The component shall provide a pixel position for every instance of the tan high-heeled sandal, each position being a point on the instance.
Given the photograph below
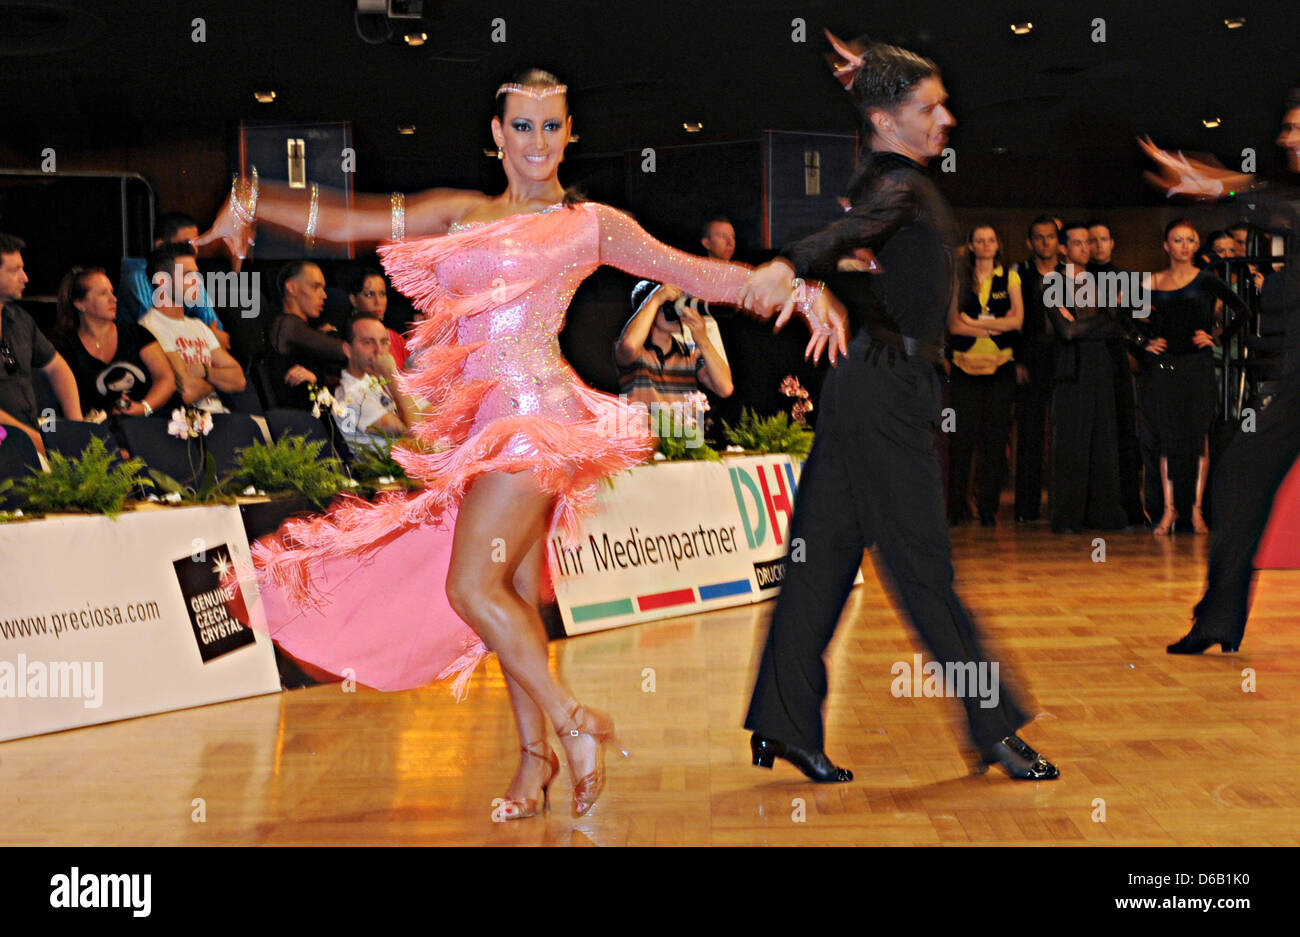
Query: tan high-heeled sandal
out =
(585, 721)
(1198, 521)
(1166, 525)
(510, 809)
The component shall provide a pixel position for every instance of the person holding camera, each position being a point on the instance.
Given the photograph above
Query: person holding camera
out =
(654, 366)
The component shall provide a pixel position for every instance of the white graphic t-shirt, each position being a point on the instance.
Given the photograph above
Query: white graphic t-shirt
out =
(192, 341)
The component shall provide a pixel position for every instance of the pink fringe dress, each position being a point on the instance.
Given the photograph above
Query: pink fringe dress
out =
(361, 590)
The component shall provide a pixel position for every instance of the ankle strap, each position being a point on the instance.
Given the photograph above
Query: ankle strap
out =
(572, 728)
(544, 754)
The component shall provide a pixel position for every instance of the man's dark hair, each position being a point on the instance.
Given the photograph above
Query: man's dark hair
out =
(1216, 236)
(11, 245)
(1239, 226)
(357, 282)
(707, 227)
(887, 77)
(171, 222)
(288, 272)
(1292, 100)
(163, 260)
(1072, 225)
(1100, 223)
(354, 319)
(1041, 219)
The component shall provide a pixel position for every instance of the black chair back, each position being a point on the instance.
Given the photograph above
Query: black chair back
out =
(230, 433)
(18, 459)
(70, 438)
(147, 438)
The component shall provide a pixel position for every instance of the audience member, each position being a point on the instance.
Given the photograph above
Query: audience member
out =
(137, 296)
(368, 294)
(303, 354)
(23, 347)
(983, 331)
(201, 366)
(368, 389)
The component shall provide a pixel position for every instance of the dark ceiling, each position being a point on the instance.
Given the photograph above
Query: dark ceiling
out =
(638, 70)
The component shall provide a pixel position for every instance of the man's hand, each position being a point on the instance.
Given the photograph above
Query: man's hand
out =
(693, 321)
(299, 375)
(667, 293)
(386, 366)
(769, 288)
(223, 338)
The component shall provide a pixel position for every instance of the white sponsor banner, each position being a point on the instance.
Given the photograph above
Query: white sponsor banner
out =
(678, 538)
(107, 619)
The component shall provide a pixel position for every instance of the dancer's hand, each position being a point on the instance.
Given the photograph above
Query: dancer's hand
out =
(1202, 339)
(770, 288)
(229, 231)
(1194, 178)
(828, 323)
(1157, 346)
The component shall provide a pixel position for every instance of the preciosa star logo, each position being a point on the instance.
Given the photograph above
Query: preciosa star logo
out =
(222, 566)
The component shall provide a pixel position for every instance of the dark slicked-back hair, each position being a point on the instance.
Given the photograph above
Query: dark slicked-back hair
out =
(1292, 100)
(163, 260)
(288, 272)
(11, 245)
(1041, 219)
(170, 223)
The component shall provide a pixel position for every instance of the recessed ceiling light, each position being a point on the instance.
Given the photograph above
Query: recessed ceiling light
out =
(1022, 29)
(1235, 22)
(999, 151)
(264, 97)
(416, 39)
(693, 126)
(406, 129)
(1211, 122)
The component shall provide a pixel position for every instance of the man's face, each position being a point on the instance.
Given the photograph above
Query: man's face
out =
(307, 290)
(1239, 240)
(13, 280)
(721, 242)
(1044, 241)
(369, 341)
(373, 298)
(1289, 139)
(180, 283)
(1224, 247)
(1100, 244)
(921, 123)
(1076, 246)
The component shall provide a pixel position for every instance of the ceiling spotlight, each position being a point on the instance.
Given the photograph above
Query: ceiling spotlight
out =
(406, 129)
(1235, 22)
(693, 126)
(1022, 29)
(416, 39)
(1211, 122)
(1000, 151)
(264, 97)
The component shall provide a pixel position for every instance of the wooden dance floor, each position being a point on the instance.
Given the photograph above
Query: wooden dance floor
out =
(1153, 749)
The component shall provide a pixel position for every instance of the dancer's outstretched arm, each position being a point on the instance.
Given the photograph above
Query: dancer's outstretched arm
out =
(626, 245)
(363, 218)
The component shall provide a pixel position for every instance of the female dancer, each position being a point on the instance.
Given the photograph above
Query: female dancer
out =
(1185, 305)
(512, 444)
(983, 379)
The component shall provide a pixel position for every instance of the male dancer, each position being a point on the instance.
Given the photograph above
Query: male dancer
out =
(1255, 463)
(873, 476)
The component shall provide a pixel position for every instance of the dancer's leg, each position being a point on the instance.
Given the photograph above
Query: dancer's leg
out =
(529, 718)
(1166, 524)
(1202, 473)
(500, 520)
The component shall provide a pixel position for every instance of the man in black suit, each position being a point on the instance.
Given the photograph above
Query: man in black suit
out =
(873, 476)
(1258, 459)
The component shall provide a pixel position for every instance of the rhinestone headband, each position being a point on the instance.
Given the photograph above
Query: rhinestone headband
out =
(532, 92)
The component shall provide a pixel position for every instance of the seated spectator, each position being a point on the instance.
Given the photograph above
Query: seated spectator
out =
(303, 355)
(654, 366)
(22, 348)
(121, 370)
(368, 294)
(137, 296)
(201, 366)
(368, 389)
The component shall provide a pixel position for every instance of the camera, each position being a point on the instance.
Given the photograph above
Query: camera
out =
(672, 310)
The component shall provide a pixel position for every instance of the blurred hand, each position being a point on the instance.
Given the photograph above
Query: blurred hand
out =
(35, 437)
(227, 230)
(1157, 346)
(692, 320)
(1022, 375)
(386, 364)
(1199, 178)
(1202, 339)
(668, 293)
(299, 375)
(769, 288)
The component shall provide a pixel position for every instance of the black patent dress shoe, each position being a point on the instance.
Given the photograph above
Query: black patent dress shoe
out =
(1018, 760)
(1195, 643)
(815, 765)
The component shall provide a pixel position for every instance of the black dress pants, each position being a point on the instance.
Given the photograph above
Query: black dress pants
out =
(1033, 399)
(872, 479)
(1246, 483)
(982, 404)
(1130, 457)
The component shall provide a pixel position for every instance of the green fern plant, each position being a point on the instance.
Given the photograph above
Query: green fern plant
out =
(675, 449)
(96, 482)
(290, 464)
(210, 490)
(776, 433)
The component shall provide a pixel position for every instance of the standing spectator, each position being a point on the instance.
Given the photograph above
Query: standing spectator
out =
(1185, 304)
(202, 367)
(984, 328)
(1034, 367)
(121, 370)
(368, 294)
(22, 348)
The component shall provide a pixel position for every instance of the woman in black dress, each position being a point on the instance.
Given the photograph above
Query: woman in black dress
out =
(982, 383)
(1185, 304)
